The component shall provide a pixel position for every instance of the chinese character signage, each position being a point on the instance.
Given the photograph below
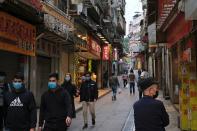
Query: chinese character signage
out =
(94, 46)
(106, 52)
(16, 35)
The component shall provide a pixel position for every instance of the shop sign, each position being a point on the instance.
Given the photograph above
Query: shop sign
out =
(16, 35)
(56, 26)
(115, 54)
(106, 52)
(187, 55)
(178, 29)
(94, 47)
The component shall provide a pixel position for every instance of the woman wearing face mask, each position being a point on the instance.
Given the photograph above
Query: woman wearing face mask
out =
(71, 88)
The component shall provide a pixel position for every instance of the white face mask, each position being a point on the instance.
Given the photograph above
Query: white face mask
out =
(67, 78)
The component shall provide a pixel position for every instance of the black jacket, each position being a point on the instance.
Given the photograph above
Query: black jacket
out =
(54, 108)
(150, 115)
(72, 90)
(3, 90)
(20, 110)
(88, 91)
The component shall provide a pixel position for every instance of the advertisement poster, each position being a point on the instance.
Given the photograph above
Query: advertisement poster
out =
(193, 104)
(185, 113)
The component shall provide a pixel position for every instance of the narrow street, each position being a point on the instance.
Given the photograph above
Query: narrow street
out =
(110, 116)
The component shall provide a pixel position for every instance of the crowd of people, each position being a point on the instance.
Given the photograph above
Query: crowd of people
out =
(18, 110)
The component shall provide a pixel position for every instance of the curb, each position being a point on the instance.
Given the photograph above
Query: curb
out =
(80, 108)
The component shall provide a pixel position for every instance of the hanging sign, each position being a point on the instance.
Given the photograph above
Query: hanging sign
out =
(16, 35)
(106, 52)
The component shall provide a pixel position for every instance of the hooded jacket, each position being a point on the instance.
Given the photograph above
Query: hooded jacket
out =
(20, 110)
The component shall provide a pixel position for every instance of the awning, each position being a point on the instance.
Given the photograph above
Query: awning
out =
(57, 13)
(88, 55)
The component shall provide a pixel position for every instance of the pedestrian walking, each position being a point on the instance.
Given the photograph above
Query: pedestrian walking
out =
(113, 82)
(132, 82)
(149, 113)
(88, 97)
(72, 90)
(144, 74)
(125, 78)
(55, 108)
(20, 107)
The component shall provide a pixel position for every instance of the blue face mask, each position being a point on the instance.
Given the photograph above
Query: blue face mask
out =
(17, 85)
(52, 85)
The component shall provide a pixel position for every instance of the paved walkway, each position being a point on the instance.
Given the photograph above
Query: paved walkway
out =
(118, 115)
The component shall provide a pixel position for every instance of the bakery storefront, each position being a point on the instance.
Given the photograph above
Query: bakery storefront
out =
(17, 43)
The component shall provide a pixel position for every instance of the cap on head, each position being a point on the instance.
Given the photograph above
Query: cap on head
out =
(146, 83)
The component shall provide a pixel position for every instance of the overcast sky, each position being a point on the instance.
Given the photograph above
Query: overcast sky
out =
(131, 7)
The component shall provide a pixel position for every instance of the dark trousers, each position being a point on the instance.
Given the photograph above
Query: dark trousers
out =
(140, 94)
(132, 87)
(125, 82)
(55, 129)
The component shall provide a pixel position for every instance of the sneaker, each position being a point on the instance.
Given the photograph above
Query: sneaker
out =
(93, 122)
(85, 126)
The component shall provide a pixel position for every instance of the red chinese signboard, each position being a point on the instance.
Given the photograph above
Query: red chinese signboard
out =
(94, 46)
(16, 35)
(178, 29)
(106, 52)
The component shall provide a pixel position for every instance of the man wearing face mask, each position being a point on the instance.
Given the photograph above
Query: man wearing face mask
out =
(88, 96)
(20, 107)
(149, 113)
(71, 88)
(55, 108)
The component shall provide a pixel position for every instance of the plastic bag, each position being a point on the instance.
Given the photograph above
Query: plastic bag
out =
(119, 90)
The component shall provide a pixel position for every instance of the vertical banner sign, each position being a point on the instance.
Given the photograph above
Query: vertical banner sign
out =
(193, 104)
(16, 35)
(89, 65)
(106, 52)
(185, 113)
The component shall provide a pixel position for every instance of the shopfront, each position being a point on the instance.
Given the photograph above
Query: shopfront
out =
(183, 74)
(87, 58)
(17, 43)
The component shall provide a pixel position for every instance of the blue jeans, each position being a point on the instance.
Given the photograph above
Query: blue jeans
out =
(132, 87)
(114, 91)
